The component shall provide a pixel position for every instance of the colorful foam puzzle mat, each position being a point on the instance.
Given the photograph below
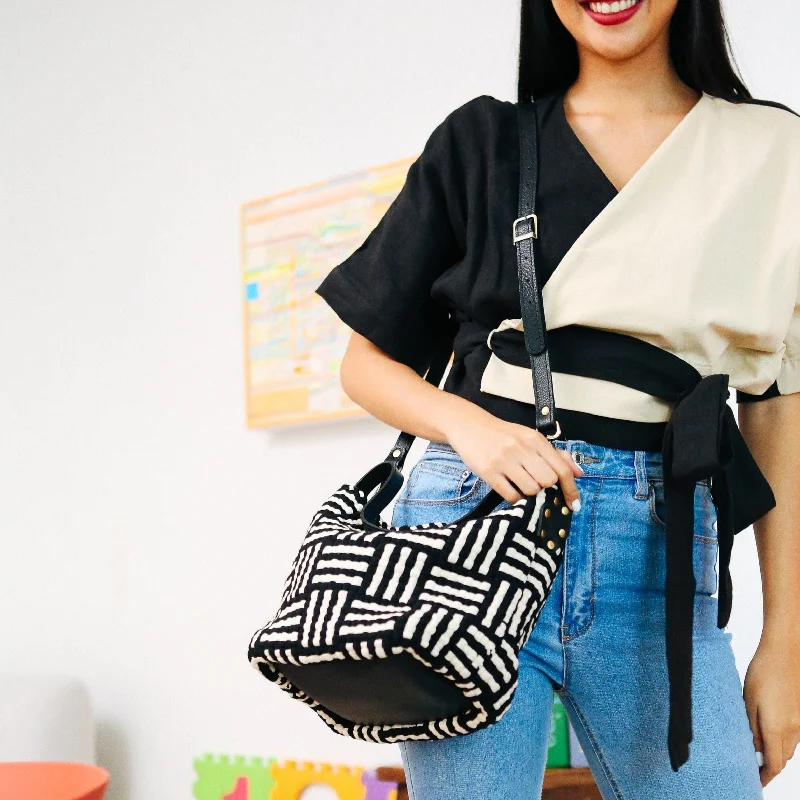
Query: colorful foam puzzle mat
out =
(238, 778)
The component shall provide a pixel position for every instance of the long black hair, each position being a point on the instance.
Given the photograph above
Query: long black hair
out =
(698, 45)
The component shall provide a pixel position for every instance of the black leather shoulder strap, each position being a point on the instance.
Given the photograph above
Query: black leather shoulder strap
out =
(525, 232)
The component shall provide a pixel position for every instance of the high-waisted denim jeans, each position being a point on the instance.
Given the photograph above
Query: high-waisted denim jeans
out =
(599, 642)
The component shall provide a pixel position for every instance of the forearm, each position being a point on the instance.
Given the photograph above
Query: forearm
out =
(395, 393)
(515, 460)
(771, 429)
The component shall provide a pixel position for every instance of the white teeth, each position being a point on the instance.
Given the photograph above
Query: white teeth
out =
(612, 8)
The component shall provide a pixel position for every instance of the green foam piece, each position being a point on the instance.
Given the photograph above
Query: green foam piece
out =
(217, 776)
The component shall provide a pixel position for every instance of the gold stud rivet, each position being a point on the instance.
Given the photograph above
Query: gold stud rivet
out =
(547, 512)
(562, 533)
(550, 544)
(545, 410)
(555, 501)
(564, 510)
(396, 453)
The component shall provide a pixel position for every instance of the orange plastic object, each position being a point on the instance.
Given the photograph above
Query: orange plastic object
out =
(52, 780)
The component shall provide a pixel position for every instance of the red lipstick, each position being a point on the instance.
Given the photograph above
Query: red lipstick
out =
(614, 18)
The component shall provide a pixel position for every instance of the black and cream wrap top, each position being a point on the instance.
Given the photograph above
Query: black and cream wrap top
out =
(660, 300)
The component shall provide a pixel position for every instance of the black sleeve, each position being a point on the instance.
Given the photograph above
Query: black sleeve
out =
(383, 289)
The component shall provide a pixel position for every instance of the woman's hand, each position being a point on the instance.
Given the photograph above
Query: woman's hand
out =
(772, 697)
(771, 430)
(515, 460)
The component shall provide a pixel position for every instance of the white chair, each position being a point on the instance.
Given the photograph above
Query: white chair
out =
(45, 719)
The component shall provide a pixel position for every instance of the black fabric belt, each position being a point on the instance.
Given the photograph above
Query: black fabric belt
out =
(700, 440)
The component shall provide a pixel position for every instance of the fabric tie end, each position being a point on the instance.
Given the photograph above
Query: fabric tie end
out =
(678, 754)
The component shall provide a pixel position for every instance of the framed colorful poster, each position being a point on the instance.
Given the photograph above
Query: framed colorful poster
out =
(294, 342)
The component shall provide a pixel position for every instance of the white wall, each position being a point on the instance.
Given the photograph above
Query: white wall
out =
(145, 530)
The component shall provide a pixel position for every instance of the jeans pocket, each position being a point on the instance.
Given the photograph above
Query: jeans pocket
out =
(705, 543)
(439, 488)
(705, 512)
(442, 478)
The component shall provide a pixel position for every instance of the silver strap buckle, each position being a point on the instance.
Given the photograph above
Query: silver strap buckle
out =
(534, 232)
(557, 433)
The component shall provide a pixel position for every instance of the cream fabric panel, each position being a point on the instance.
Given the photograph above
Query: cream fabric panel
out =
(789, 374)
(576, 392)
(699, 254)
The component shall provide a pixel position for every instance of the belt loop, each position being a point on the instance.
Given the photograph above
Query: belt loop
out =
(640, 465)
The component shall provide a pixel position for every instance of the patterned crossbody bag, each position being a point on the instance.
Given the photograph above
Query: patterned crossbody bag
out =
(413, 632)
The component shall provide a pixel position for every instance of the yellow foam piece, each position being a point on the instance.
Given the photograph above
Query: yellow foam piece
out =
(292, 778)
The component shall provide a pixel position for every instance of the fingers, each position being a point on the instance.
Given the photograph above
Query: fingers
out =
(505, 489)
(576, 468)
(555, 465)
(760, 745)
(790, 742)
(752, 716)
(776, 734)
(567, 479)
(531, 480)
(777, 751)
(542, 469)
(774, 761)
(758, 742)
(526, 462)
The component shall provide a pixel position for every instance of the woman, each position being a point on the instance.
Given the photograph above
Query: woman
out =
(669, 255)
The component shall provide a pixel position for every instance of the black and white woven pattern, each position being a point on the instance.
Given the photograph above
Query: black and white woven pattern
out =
(461, 598)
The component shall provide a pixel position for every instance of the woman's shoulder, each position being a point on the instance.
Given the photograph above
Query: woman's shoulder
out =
(759, 132)
(477, 122)
(770, 120)
(484, 108)
(475, 133)
(480, 135)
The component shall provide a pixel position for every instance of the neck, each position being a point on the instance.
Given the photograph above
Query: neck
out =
(646, 82)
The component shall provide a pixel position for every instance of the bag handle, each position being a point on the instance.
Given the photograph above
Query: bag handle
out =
(525, 229)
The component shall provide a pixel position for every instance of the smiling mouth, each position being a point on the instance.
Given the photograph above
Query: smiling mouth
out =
(611, 13)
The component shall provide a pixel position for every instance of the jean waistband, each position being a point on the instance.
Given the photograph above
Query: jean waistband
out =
(599, 460)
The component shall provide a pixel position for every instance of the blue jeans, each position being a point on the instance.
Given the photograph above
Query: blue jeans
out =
(599, 643)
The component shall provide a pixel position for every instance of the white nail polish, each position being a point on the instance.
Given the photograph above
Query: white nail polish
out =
(576, 505)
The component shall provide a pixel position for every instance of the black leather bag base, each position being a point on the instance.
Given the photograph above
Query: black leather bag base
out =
(357, 690)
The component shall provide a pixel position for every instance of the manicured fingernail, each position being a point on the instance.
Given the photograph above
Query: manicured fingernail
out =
(576, 505)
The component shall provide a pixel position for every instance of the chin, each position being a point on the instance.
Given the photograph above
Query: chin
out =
(615, 32)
